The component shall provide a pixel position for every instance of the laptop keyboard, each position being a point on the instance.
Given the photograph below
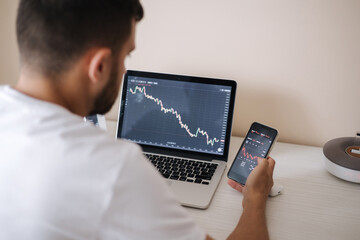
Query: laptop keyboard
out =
(183, 169)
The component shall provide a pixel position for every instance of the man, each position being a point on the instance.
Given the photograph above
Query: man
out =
(63, 179)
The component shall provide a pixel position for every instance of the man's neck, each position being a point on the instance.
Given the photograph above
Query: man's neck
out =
(54, 91)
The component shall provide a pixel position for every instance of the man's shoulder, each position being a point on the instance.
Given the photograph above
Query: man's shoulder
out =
(52, 131)
(94, 142)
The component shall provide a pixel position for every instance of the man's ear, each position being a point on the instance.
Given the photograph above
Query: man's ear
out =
(100, 65)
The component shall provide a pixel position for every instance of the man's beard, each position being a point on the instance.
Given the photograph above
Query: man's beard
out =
(106, 99)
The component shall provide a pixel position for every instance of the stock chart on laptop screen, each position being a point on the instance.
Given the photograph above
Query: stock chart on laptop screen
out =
(176, 114)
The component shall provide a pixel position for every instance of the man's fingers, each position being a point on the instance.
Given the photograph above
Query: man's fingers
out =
(235, 185)
(271, 164)
(265, 166)
(261, 161)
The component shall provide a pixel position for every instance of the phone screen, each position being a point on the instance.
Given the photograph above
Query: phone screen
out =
(257, 143)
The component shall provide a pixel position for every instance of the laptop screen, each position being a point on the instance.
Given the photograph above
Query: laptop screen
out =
(177, 112)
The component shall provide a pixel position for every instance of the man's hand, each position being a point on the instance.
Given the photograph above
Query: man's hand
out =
(252, 224)
(259, 182)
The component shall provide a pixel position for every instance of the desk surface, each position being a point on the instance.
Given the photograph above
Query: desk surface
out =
(314, 205)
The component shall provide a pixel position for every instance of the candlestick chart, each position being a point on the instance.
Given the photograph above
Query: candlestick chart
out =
(176, 115)
(255, 145)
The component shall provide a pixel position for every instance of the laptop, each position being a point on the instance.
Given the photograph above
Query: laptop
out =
(183, 124)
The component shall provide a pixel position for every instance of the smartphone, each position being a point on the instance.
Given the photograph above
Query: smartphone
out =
(257, 143)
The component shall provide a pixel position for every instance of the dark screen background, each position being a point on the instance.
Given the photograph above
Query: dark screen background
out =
(176, 114)
(256, 144)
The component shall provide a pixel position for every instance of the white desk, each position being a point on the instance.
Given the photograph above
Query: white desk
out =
(315, 204)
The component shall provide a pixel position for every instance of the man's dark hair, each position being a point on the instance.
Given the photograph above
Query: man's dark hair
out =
(52, 34)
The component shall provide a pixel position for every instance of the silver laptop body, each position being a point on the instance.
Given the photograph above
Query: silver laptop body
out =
(183, 125)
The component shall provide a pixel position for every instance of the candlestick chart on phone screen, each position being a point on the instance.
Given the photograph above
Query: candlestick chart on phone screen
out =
(255, 145)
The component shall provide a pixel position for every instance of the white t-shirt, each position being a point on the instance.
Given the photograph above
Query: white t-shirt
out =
(61, 178)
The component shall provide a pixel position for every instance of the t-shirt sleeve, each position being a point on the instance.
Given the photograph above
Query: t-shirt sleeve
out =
(144, 207)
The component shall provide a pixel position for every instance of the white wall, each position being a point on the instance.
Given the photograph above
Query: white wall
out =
(9, 67)
(297, 62)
